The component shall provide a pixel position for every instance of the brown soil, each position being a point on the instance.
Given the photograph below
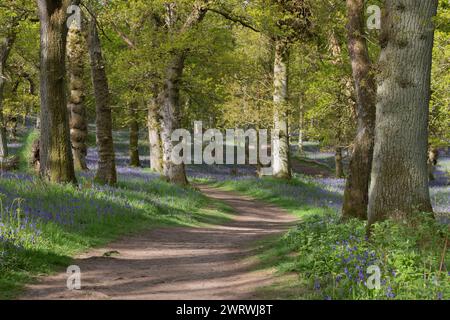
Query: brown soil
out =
(210, 263)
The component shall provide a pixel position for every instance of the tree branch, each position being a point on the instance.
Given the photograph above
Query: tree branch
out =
(123, 36)
(239, 20)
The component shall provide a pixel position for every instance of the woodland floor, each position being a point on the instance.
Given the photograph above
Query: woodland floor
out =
(215, 262)
(179, 256)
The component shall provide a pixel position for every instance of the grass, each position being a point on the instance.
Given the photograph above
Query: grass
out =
(325, 258)
(42, 225)
(25, 151)
(65, 220)
(301, 197)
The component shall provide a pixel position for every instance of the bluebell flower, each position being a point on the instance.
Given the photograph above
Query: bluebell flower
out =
(317, 285)
(390, 294)
(361, 276)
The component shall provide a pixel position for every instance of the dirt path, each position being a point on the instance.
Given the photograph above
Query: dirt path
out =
(178, 263)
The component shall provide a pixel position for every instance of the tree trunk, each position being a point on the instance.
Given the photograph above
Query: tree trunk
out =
(433, 156)
(301, 125)
(106, 172)
(134, 137)
(280, 152)
(76, 108)
(356, 196)
(5, 49)
(170, 114)
(154, 135)
(399, 181)
(339, 164)
(56, 162)
(169, 98)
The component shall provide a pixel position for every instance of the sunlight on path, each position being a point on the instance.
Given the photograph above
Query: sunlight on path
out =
(178, 263)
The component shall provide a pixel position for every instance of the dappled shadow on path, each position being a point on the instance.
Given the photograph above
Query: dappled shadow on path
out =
(178, 263)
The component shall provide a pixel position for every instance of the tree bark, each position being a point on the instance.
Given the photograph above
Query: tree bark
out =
(280, 152)
(5, 49)
(154, 135)
(356, 196)
(76, 108)
(134, 137)
(106, 172)
(56, 162)
(399, 181)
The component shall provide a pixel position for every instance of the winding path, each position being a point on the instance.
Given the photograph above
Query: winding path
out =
(210, 263)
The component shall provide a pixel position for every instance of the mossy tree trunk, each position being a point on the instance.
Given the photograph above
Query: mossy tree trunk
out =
(56, 162)
(399, 180)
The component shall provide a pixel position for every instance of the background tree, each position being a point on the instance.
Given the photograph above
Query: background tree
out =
(134, 135)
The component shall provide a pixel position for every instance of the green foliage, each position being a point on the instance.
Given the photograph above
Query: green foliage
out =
(440, 88)
(334, 257)
(26, 149)
(20, 96)
(331, 257)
